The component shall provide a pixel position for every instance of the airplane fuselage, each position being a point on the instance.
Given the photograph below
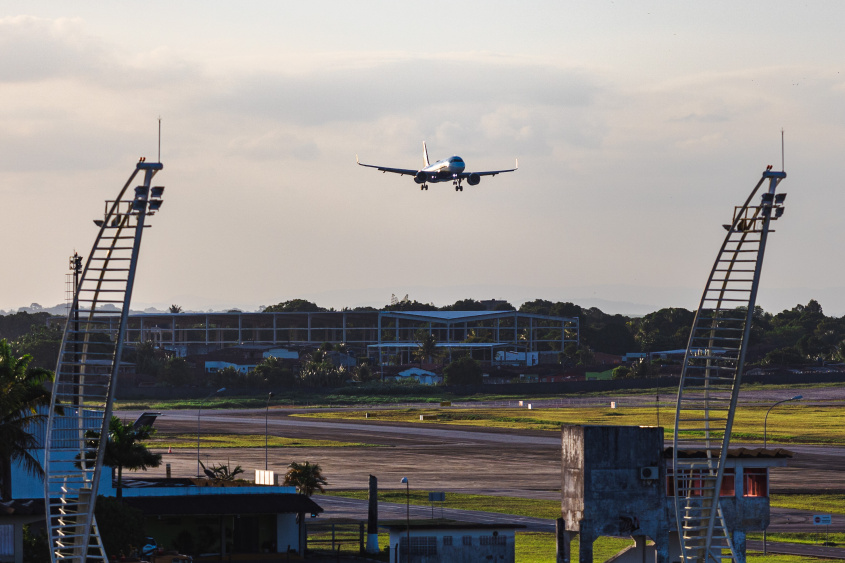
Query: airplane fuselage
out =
(448, 169)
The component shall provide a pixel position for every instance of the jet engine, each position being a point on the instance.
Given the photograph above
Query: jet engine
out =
(420, 177)
(473, 179)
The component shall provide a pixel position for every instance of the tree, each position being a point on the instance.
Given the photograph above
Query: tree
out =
(426, 345)
(272, 372)
(22, 401)
(176, 372)
(148, 359)
(363, 374)
(294, 306)
(222, 472)
(124, 449)
(463, 371)
(121, 526)
(175, 309)
(305, 477)
(621, 372)
(42, 342)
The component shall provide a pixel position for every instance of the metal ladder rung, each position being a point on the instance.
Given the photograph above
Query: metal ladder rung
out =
(103, 290)
(743, 271)
(109, 269)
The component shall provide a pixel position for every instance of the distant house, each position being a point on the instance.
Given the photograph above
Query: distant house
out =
(422, 376)
(447, 541)
(599, 375)
(281, 353)
(214, 366)
(606, 359)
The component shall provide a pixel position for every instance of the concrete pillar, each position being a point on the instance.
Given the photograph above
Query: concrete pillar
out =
(588, 536)
(738, 540)
(639, 546)
(563, 542)
(661, 547)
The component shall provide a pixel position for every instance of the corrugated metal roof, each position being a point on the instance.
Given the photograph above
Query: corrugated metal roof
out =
(271, 503)
(736, 453)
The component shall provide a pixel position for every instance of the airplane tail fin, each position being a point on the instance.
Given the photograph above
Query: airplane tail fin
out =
(425, 155)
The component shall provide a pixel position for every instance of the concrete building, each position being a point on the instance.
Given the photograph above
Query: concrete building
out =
(448, 541)
(618, 481)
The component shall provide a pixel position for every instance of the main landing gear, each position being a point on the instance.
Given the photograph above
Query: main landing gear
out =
(424, 187)
(458, 186)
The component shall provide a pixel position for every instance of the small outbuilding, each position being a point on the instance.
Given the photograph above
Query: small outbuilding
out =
(448, 541)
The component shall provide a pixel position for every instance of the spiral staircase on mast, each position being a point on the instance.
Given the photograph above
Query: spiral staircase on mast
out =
(83, 390)
(712, 372)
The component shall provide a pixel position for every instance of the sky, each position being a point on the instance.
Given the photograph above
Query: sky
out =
(638, 127)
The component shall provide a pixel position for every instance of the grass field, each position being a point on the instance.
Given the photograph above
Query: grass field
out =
(502, 505)
(821, 503)
(398, 394)
(793, 423)
(165, 440)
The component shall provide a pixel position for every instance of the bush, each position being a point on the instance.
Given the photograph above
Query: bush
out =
(121, 526)
(463, 371)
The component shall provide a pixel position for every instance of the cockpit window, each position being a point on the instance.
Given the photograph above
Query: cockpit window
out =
(457, 159)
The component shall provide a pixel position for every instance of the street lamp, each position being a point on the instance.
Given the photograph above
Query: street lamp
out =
(266, 412)
(408, 514)
(766, 446)
(766, 419)
(199, 412)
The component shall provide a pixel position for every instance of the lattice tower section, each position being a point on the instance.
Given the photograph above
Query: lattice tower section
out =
(712, 372)
(89, 360)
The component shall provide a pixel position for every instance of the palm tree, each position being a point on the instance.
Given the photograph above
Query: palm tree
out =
(22, 392)
(305, 477)
(124, 450)
(222, 472)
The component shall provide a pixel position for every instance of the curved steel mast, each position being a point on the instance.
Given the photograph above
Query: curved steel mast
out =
(712, 372)
(89, 360)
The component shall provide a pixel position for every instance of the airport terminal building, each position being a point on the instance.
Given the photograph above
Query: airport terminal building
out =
(375, 334)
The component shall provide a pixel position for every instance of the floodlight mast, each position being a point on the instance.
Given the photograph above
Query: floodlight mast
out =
(712, 373)
(85, 379)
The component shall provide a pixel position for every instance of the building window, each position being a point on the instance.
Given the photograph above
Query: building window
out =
(756, 482)
(447, 540)
(493, 540)
(728, 483)
(466, 540)
(7, 539)
(691, 482)
(420, 545)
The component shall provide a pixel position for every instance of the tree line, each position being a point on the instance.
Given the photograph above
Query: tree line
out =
(801, 335)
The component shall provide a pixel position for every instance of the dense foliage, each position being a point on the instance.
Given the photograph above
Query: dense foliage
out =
(463, 371)
(23, 398)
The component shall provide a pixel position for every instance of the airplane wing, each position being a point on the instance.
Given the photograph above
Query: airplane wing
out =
(465, 175)
(402, 171)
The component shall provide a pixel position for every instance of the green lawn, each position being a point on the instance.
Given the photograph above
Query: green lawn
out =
(165, 440)
(502, 505)
(793, 423)
(821, 503)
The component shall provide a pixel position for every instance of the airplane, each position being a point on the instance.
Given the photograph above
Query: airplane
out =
(451, 168)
